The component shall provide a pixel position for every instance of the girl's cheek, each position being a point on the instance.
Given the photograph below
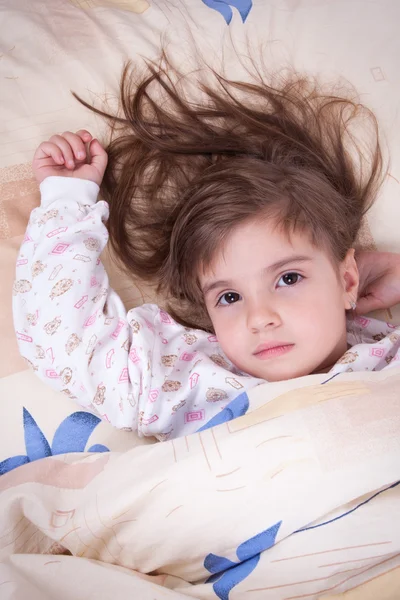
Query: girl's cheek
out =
(222, 326)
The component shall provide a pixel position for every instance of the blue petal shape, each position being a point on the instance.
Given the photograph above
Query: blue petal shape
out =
(243, 6)
(12, 463)
(236, 408)
(35, 442)
(227, 574)
(216, 564)
(260, 542)
(224, 8)
(234, 576)
(98, 448)
(73, 433)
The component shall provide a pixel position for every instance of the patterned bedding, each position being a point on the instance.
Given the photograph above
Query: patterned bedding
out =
(47, 50)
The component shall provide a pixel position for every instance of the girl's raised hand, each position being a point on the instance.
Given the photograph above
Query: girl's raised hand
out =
(70, 155)
(379, 281)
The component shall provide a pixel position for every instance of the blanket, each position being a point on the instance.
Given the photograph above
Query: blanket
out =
(297, 498)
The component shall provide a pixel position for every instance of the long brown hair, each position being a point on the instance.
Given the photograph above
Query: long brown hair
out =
(183, 171)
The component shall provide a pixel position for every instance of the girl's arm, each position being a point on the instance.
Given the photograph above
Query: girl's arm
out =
(70, 325)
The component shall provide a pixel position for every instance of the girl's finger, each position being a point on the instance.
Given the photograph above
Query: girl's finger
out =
(84, 135)
(47, 149)
(66, 150)
(98, 156)
(77, 145)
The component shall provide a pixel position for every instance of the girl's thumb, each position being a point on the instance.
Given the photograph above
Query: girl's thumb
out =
(98, 156)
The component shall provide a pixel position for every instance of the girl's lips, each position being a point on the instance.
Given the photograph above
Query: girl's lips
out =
(265, 351)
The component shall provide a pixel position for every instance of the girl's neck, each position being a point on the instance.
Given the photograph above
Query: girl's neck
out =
(332, 359)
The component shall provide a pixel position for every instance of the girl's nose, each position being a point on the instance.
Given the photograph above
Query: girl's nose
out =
(260, 316)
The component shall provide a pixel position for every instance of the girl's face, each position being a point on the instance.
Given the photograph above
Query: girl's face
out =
(278, 304)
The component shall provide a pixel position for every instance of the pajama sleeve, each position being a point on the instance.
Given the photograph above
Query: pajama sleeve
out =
(70, 325)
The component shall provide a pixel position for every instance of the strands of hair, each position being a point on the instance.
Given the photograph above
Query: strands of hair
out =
(183, 172)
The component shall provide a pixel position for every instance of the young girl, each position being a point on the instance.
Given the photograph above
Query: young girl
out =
(245, 207)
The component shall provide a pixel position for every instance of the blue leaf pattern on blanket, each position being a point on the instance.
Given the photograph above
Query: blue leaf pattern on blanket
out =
(71, 435)
(35, 443)
(227, 574)
(98, 448)
(12, 463)
(236, 408)
(224, 8)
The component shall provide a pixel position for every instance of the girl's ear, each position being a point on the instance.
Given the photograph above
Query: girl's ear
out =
(350, 279)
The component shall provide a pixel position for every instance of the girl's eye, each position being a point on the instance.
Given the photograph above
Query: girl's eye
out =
(289, 279)
(229, 298)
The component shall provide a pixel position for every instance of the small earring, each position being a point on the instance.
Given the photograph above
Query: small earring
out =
(353, 305)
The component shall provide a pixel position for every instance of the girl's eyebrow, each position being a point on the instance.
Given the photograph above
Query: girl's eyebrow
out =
(214, 285)
(285, 261)
(223, 283)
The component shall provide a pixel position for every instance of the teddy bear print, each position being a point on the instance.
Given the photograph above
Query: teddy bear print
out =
(219, 360)
(92, 244)
(40, 353)
(66, 375)
(135, 325)
(61, 287)
(189, 338)
(169, 360)
(393, 337)
(348, 357)
(100, 395)
(37, 268)
(72, 343)
(378, 337)
(32, 318)
(21, 286)
(50, 214)
(68, 393)
(214, 395)
(171, 386)
(99, 296)
(52, 326)
(176, 407)
(163, 437)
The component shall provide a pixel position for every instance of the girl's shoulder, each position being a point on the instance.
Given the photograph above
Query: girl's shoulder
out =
(368, 330)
